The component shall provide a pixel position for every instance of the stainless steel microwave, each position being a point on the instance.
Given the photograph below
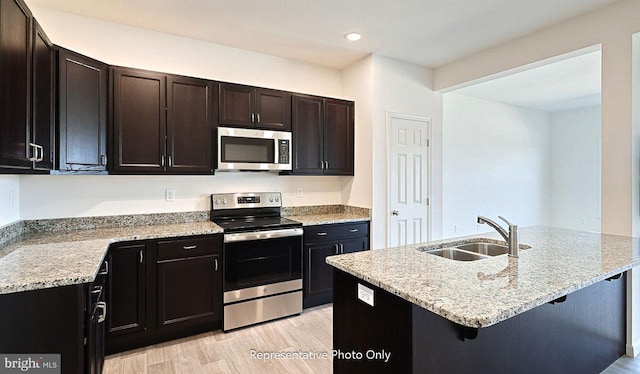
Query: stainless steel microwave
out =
(253, 149)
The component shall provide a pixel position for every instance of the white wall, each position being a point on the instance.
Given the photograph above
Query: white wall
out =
(357, 83)
(575, 169)
(9, 199)
(614, 28)
(408, 89)
(69, 196)
(55, 196)
(496, 162)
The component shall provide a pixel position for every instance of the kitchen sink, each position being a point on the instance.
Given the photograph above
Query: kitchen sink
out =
(485, 248)
(472, 251)
(456, 254)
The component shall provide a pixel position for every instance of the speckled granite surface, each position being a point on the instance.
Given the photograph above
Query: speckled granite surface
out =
(57, 252)
(484, 292)
(327, 214)
(58, 258)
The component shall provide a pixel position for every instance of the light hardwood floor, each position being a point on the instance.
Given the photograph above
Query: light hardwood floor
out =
(218, 352)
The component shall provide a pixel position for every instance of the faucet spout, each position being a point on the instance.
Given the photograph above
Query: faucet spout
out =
(511, 237)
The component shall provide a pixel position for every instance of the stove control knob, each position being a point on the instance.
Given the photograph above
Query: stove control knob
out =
(224, 201)
(270, 199)
(277, 199)
(216, 202)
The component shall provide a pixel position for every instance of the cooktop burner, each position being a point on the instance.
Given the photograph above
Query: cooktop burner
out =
(255, 223)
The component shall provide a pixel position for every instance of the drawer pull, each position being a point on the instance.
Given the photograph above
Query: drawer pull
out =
(353, 230)
(189, 247)
(322, 234)
(96, 290)
(106, 269)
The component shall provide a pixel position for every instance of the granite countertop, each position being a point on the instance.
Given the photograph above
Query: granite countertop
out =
(329, 218)
(484, 292)
(58, 252)
(59, 258)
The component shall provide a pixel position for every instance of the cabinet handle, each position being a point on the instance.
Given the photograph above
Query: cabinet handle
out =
(327, 164)
(106, 269)
(353, 230)
(341, 248)
(96, 290)
(102, 305)
(170, 161)
(321, 234)
(189, 247)
(141, 257)
(34, 151)
(322, 165)
(103, 160)
(253, 117)
(215, 263)
(41, 157)
(258, 116)
(162, 160)
(336, 250)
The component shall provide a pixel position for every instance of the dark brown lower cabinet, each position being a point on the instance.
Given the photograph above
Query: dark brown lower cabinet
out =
(46, 321)
(328, 240)
(162, 290)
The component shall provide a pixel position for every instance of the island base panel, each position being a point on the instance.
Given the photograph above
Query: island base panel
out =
(583, 334)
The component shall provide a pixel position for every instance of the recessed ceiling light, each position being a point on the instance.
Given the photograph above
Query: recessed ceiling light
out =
(353, 36)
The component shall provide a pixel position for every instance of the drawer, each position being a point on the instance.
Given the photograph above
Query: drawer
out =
(188, 247)
(336, 231)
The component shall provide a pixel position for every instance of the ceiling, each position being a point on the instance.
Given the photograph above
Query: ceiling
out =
(429, 33)
(563, 85)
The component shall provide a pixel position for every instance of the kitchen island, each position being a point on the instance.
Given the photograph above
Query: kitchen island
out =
(559, 307)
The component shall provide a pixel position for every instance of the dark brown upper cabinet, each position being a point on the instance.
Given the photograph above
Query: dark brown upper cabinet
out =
(82, 113)
(246, 106)
(26, 91)
(161, 123)
(323, 136)
(42, 129)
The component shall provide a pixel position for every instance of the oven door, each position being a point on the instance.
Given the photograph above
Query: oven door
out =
(263, 257)
(251, 149)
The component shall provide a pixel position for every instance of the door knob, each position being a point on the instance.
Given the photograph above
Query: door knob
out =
(394, 212)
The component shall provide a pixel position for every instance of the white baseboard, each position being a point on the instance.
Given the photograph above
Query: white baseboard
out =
(633, 349)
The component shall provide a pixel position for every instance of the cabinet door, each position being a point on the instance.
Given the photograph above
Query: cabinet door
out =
(189, 291)
(272, 110)
(189, 125)
(82, 113)
(43, 98)
(338, 137)
(139, 121)
(15, 84)
(307, 128)
(318, 276)
(127, 299)
(236, 105)
(354, 245)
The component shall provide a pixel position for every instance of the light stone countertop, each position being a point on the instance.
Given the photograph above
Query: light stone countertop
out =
(484, 292)
(329, 218)
(59, 258)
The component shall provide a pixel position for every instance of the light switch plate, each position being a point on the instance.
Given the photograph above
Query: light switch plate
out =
(365, 294)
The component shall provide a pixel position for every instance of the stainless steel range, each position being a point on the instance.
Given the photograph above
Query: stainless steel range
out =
(262, 258)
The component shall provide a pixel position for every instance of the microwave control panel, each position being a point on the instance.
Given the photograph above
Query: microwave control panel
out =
(283, 151)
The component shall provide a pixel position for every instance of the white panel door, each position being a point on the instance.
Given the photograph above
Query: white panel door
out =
(408, 179)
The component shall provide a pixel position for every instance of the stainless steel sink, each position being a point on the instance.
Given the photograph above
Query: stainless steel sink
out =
(485, 248)
(456, 254)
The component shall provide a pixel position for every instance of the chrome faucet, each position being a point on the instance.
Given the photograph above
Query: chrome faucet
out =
(511, 237)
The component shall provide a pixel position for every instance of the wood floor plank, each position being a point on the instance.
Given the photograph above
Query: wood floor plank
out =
(230, 353)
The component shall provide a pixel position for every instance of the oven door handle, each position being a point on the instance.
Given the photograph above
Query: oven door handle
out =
(261, 235)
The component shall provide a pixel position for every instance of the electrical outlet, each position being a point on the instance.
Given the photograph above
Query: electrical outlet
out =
(299, 191)
(170, 194)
